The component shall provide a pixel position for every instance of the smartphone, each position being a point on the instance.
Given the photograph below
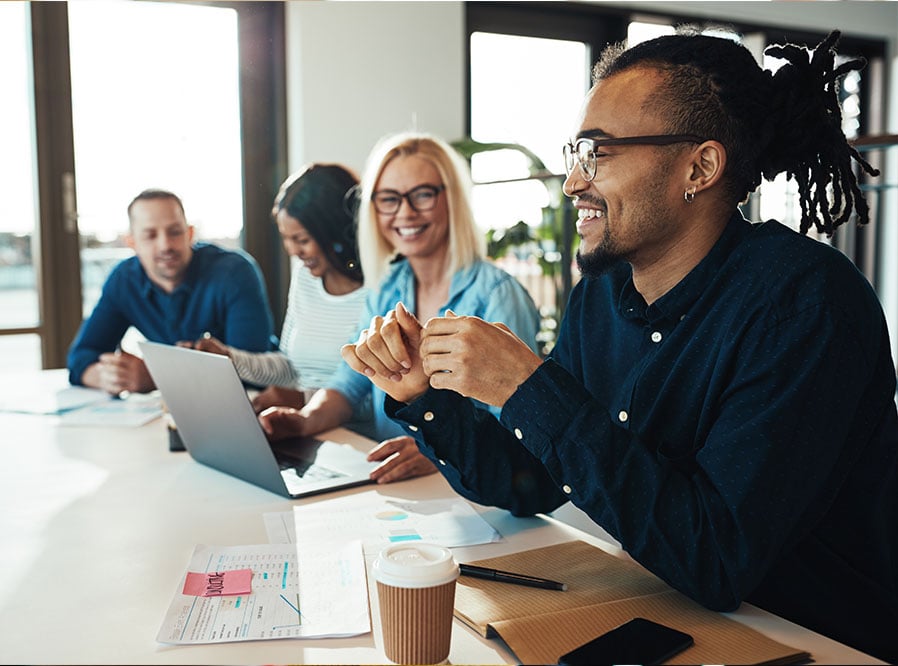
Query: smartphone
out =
(638, 641)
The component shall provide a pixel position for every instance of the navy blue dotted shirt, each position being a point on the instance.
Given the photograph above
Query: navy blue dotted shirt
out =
(222, 294)
(738, 436)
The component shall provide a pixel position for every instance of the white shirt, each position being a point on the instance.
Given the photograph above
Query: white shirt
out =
(316, 325)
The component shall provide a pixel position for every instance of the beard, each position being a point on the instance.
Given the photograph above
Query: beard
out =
(641, 215)
(601, 258)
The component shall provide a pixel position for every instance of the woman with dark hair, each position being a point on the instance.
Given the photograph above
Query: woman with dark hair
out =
(326, 294)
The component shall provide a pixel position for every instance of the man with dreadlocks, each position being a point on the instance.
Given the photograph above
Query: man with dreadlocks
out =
(721, 398)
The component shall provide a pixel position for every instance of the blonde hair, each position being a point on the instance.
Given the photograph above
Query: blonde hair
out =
(466, 243)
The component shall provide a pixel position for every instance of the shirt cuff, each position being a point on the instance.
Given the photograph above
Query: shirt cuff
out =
(416, 416)
(432, 421)
(543, 407)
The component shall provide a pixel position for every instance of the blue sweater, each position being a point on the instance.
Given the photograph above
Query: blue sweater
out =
(222, 293)
(738, 436)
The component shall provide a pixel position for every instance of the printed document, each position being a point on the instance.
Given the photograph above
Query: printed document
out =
(317, 593)
(379, 520)
(134, 411)
(42, 396)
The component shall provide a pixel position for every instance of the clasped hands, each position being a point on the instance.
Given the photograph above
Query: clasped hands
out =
(468, 355)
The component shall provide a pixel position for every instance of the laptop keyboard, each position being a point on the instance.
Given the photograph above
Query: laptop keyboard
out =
(311, 472)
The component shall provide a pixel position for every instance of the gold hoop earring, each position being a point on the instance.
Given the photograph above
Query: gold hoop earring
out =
(689, 195)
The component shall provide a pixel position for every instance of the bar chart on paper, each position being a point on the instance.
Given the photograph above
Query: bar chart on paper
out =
(395, 530)
(378, 520)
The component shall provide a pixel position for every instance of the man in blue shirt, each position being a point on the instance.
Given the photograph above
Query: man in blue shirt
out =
(172, 291)
(721, 399)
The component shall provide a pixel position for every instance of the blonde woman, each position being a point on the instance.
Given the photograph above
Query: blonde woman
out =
(420, 245)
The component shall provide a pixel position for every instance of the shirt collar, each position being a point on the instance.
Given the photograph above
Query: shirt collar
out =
(403, 274)
(463, 278)
(674, 304)
(146, 286)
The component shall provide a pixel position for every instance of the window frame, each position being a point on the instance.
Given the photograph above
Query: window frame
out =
(263, 129)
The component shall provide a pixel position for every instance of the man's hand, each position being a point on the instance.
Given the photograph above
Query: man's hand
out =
(387, 353)
(475, 358)
(401, 460)
(120, 371)
(278, 396)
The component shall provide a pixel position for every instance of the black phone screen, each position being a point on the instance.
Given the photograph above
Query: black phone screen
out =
(638, 641)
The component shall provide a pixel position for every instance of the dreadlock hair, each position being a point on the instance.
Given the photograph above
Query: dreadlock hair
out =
(768, 123)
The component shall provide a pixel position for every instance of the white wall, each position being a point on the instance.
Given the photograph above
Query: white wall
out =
(359, 70)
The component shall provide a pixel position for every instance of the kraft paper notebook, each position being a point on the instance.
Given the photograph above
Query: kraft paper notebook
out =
(603, 592)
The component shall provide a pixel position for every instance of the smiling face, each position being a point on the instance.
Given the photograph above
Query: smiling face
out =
(416, 235)
(162, 240)
(628, 211)
(298, 242)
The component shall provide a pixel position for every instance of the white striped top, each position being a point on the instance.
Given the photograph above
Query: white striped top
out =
(316, 325)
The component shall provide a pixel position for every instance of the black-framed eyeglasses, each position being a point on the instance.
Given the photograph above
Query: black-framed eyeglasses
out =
(582, 152)
(421, 198)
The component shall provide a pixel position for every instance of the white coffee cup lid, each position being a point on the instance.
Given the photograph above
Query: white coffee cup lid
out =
(415, 565)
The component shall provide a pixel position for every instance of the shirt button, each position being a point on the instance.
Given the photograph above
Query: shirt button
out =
(443, 462)
(428, 416)
(413, 428)
(623, 416)
(656, 336)
(518, 433)
(567, 489)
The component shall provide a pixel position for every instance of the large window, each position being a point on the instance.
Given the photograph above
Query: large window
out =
(20, 349)
(103, 100)
(545, 80)
(153, 116)
(529, 69)
(524, 53)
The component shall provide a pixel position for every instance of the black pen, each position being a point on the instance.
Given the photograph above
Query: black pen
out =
(509, 577)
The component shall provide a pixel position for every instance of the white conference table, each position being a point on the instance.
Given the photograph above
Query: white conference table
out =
(99, 523)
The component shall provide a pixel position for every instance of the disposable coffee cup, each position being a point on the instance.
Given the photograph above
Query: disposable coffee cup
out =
(416, 593)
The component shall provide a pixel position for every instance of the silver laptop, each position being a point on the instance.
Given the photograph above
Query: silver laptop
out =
(216, 422)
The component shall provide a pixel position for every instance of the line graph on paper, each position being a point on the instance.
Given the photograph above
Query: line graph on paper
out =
(276, 607)
(258, 615)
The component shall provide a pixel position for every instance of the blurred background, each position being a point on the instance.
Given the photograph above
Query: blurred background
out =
(220, 101)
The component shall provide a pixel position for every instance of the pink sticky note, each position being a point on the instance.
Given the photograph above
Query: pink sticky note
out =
(219, 583)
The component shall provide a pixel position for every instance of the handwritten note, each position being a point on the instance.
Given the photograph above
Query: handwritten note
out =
(219, 583)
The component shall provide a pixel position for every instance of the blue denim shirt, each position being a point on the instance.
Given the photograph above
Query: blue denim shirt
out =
(222, 293)
(738, 436)
(481, 290)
